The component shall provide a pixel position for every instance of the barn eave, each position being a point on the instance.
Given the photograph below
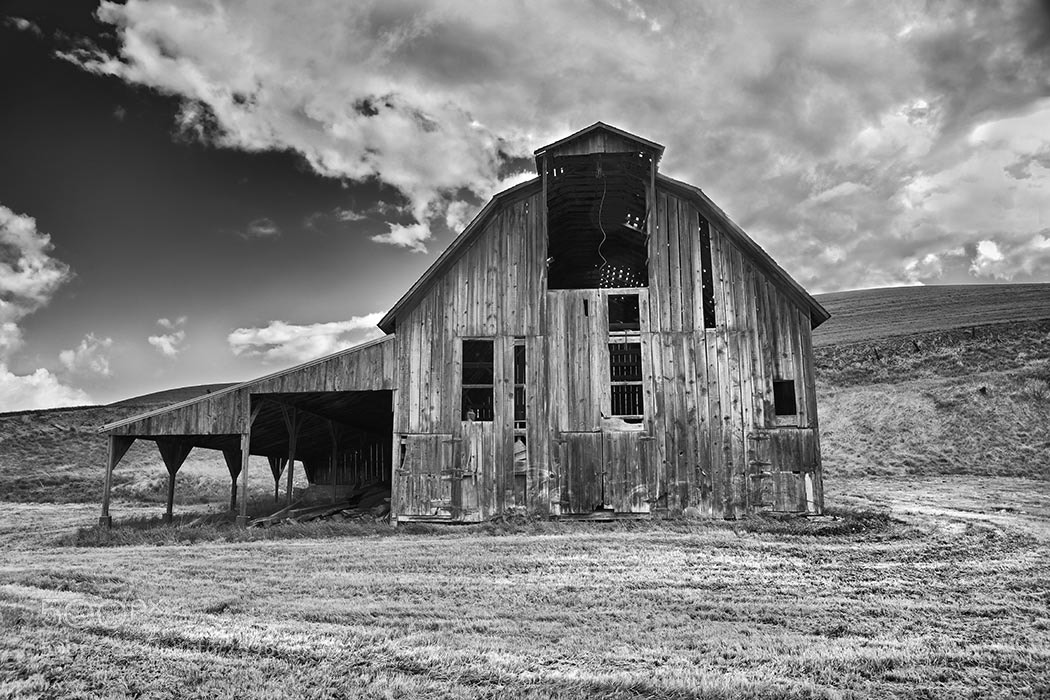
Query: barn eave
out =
(388, 323)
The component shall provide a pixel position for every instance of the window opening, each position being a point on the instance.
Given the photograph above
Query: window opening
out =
(625, 375)
(596, 216)
(784, 402)
(519, 384)
(706, 274)
(477, 380)
(624, 313)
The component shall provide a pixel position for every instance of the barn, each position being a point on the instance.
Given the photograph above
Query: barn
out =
(601, 341)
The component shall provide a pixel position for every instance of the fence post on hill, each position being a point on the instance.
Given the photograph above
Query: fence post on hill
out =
(118, 447)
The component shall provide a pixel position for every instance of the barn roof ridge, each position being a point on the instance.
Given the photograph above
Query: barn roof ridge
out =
(235, 387)
(599, 126)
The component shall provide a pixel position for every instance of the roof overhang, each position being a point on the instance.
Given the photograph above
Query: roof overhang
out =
(817, 313)
(461, 242)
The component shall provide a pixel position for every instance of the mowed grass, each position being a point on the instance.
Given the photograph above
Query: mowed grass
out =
(932, 581)
(953, 605)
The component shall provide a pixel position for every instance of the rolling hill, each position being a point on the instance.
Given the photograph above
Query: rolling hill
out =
(914, 380)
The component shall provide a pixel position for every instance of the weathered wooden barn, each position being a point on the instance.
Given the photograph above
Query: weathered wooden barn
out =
(600, 341)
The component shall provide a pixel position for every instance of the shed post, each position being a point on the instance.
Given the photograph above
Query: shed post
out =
(233, 463)
(334, 432)
(291, 420)
(246, 441)
(118, 447)
(246, 449)
(276, 467)
(174, 453)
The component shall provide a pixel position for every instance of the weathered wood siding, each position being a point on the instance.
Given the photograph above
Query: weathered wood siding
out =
(710, 438)
(368, 368)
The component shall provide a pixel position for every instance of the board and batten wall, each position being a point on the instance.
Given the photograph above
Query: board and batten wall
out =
(709, 439)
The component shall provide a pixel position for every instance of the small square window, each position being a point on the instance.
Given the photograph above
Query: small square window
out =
(624, 314)
(784, 402)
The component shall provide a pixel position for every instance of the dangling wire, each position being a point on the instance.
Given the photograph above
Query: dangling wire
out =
(601, 206)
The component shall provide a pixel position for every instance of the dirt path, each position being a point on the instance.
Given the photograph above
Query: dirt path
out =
(953, 502)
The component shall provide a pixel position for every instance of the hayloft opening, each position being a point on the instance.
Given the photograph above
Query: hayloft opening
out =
(596, 221)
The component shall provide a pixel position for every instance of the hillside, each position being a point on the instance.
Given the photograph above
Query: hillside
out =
(919, 380)
(170, 396)
(876, 314)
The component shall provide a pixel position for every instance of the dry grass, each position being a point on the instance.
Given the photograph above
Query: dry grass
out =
(933, 581)
(949, 606)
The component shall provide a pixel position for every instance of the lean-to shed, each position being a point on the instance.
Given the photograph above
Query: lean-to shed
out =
(600, 341)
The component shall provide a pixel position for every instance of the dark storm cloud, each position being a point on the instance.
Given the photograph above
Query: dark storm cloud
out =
(840, 134)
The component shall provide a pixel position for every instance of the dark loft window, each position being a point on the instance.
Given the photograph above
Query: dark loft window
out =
(596, 221)
(623, 312)
(625, 378)
(706, 275)
(784, 403)
(477, 379)
(519, 384)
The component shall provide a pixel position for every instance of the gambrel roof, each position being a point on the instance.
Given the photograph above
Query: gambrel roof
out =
(818, 314)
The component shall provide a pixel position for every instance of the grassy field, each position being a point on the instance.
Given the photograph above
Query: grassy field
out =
(939, 601)
(931, 580)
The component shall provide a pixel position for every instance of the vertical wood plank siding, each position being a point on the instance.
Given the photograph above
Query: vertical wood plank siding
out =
(710, 439)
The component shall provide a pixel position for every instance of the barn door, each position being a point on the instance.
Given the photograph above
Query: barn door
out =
(782, 471)
(420, 487)
(473, 479)
(605, 471)
(580, 456)
(625, 456)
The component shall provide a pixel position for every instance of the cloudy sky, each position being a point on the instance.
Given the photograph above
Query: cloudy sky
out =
(199, 191)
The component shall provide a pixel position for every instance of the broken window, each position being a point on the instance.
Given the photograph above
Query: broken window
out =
(625, 376)
(596, 221)
(624, 313)
(519, 384)
(784, 402)
(477, 380)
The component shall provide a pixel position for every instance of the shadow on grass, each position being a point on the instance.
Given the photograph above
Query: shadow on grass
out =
(222, 527)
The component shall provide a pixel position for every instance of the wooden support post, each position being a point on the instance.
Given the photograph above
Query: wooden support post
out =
(174, 453)
(233, 463)
(118, 447)
(246, 444)
(245, 453)
(291, 420)
(334, 432)
(276, 468)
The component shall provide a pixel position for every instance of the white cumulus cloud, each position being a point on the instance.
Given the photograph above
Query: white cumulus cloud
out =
(40, 389)
(29, 277)
(90, 356)
(169, 344)
(280, 341)
(886, 132)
